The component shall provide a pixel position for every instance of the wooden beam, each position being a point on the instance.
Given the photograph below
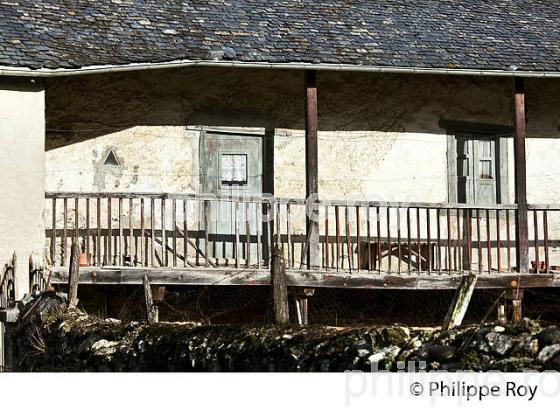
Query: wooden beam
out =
(521, 226)
(312, 169)
(460, 302)
(296, 277)
(152, 314)
(73, 277)
(279, 288)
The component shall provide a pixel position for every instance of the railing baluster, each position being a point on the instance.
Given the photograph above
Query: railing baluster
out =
(408, 240)
(164, 256)
(327, 256)
(143, 262)
(121, 255)
(488, 241)
(399, 239)
(289, 235)
(468, 216)
(448, 216)
(268, 207)
(207, 230)
(419, 249)
(499, 249)
(358, 238)
(536, 229)
(53, 232)
(236, 234)
(479, 244)
(65, 232)
(368, 222)
(378, 223)
(131, 243)
(428, 237)
(438, 217)
(88, 233)
(508, 241)
(174, 230)
(98, 250)
(337, 223)
(459, 248)
(185, 233)
(389, 244)
(153, 232)
(76, 221)
(248, 234)
(109, 233)
(258, 232)
(348, 244)
(545, 235)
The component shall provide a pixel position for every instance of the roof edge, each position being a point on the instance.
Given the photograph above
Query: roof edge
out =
(100, 69)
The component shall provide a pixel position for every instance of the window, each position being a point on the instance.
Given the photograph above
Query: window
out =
(111, 159)
(233, 169)
(477, 173)
(477, 162)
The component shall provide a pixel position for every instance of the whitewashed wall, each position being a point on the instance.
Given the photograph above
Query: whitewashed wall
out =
(22, 174)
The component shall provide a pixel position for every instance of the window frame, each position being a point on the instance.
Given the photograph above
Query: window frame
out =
(500, 133)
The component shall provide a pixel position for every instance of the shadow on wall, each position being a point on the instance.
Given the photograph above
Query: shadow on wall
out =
(84, 107)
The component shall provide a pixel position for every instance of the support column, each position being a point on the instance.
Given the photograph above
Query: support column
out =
(311, 170)
(521, 226)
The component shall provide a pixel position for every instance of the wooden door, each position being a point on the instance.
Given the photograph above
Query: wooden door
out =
(477, 170)
(231, 165)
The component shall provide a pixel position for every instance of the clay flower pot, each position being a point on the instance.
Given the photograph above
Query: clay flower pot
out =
(84, 259)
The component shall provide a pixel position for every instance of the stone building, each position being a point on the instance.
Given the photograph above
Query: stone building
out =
(440, 119)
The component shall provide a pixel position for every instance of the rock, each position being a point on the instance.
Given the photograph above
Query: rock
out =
(548, 352)
(104, 347)
(393, 336)
(387, 353)
(496, 343)
(549, 335)
(440, 353)
(363, 352)
(229, 53)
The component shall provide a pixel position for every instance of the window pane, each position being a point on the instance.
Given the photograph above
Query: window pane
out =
(234, 168)
(463, 166)
(485, 148)
(485, 169)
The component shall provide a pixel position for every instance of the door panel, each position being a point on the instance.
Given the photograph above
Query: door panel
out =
(477, 170)
(230, 165)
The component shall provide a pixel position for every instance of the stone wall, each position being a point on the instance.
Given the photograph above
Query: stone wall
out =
(379, 134)
(22, 173)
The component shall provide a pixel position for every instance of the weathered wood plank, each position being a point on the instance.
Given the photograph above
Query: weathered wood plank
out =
(73, 277)
(460, 302)
(296, 277)
(279, 288)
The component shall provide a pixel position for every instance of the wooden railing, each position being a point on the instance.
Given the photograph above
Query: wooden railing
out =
(181, 230)
(544, 226)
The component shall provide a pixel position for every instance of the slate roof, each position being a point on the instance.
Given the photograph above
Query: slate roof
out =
(473, 34)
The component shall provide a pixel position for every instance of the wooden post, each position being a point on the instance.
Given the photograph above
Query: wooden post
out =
(302, 304)
(521, 226)
(73, 275)
(516, 298)
(460, 303)
(279, 288)
(152, 312)
(311, 169)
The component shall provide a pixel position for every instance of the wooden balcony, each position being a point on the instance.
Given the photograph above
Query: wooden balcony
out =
(205, 239)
